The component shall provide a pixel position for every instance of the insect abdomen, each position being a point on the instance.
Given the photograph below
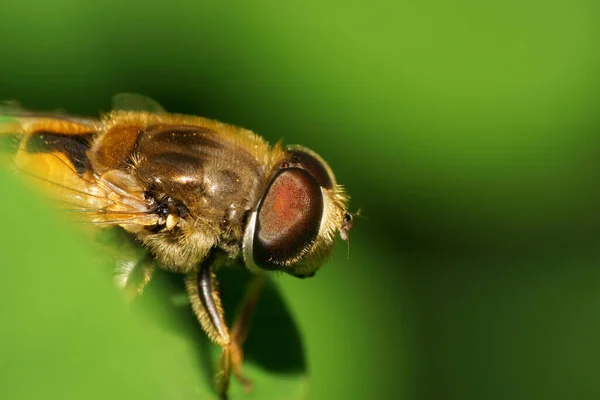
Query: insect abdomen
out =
(73, 147)
(52, 153)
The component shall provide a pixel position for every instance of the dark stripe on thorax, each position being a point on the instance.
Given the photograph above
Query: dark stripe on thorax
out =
(191, 140)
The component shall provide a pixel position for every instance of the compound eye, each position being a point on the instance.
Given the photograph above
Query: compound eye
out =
(288, 219)
(300, 157)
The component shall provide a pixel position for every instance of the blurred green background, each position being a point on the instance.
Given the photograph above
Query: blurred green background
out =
(466, 131)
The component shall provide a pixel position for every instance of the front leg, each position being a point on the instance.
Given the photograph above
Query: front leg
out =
(132, 275)
(134, 265)
(205, 300)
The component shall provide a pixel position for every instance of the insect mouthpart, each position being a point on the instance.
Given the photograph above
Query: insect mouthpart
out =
(170, 211)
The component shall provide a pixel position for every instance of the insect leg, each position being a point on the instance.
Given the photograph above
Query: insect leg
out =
(132, 275)
(134, 265)
(205, 300)
(241, 326)
(206, 303)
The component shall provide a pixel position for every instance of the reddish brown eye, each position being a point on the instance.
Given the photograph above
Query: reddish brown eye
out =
(288, 220)
(300, 157)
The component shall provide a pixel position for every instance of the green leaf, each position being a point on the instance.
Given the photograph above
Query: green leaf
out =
(67, 331)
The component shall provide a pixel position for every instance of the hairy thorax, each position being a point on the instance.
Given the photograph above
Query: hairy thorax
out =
(211, 184)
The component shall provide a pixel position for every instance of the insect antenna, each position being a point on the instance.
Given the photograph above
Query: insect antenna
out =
(348, 244)
(347, 225)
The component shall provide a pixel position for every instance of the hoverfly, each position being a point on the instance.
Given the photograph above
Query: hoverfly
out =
(195, 193)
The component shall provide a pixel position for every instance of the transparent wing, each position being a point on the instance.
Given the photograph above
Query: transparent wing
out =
(136, 102)
(10, 109)
(14, 117)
